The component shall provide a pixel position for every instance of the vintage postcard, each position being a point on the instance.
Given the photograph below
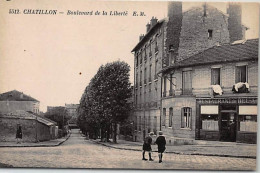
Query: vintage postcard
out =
(154, 85)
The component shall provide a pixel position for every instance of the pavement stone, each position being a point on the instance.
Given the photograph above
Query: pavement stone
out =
(77, 152)
(206, 148)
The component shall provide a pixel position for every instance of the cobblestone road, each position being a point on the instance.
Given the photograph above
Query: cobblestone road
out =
(79, 153)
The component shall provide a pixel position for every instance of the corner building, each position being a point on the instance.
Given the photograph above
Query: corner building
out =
(167, 42)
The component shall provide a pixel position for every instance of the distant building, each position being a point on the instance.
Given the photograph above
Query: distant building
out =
(15, 100)
(72, 112)
(167, 42)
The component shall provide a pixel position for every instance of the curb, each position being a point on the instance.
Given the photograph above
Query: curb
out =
(40, 145)
(172, 152)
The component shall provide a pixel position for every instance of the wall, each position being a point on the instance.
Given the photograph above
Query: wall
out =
(43, 132)
(177, 103)
(9, 106)
(8, 127)
(149, 94)
(194, 33)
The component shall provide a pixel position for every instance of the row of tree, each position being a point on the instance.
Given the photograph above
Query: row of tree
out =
(103, 104)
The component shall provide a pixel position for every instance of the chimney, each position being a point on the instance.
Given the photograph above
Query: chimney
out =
(173, 32)
(148, 27)
(21, 96)
(234, 21)
(141, 37)
(153, 21)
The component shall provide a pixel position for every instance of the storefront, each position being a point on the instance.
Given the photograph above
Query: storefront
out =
(227, 119)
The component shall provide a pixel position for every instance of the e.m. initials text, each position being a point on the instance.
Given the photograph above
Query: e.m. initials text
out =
(14, 11)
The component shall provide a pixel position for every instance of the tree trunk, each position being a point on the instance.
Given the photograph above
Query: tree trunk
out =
(114, 132)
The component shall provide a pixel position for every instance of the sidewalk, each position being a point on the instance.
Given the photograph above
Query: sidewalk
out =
(206, 148)
(51, 143)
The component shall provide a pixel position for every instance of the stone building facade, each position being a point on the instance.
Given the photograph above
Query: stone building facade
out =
(195, 112)
(15, 100)
(167, 42)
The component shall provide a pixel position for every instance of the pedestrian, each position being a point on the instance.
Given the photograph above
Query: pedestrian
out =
(147, 146)
(161, 142)
(19, 134)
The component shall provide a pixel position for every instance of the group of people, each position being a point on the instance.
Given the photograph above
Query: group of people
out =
(160, 141)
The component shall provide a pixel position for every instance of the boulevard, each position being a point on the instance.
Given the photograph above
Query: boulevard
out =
(77, 152)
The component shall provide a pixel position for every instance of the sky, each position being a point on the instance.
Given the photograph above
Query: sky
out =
(53, 57)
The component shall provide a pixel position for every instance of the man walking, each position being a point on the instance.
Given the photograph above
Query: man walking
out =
(147, 146)
(161, 142)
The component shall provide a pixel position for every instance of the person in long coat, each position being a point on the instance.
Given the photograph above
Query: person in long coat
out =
(19, 134)
(161, 142)
(147, 147)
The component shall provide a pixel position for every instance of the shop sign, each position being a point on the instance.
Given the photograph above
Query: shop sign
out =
(228, 100)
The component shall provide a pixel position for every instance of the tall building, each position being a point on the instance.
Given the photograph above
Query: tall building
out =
(167, 42)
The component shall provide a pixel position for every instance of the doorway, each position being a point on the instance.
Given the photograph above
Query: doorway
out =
(228, 119)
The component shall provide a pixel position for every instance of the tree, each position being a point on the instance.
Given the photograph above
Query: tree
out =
(59, 115)
(104, 102)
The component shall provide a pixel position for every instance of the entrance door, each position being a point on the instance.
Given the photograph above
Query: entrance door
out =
(228, 125)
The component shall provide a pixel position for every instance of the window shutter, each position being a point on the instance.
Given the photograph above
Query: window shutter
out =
(237, 74)
(182, 118)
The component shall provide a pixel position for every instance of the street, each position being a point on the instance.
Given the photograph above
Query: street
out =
(77, 152)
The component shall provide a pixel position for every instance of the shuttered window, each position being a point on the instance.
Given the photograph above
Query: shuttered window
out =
(170, 117)
(241, 74)
(186, 83)
(186, 117)
(215, 76)
(164, 117)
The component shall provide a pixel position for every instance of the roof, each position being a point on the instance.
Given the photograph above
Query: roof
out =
(240, 51)
(28, 115)
(16, 96)
(147, 35)
(42, 117)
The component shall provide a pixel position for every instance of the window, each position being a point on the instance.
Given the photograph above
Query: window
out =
(139, 124)
(215, 76)
(186, 117)
(155, 70)
(241, 73)
(150, 73)
(170, 117)
(145, 76)
(141, 58)
(164, 86)
(210, 34)
(140, 78)
(186, 83)
(164, 117)
(136, 123)
(136, 60)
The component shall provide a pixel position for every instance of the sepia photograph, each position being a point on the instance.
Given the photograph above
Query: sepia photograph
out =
(129, 85)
